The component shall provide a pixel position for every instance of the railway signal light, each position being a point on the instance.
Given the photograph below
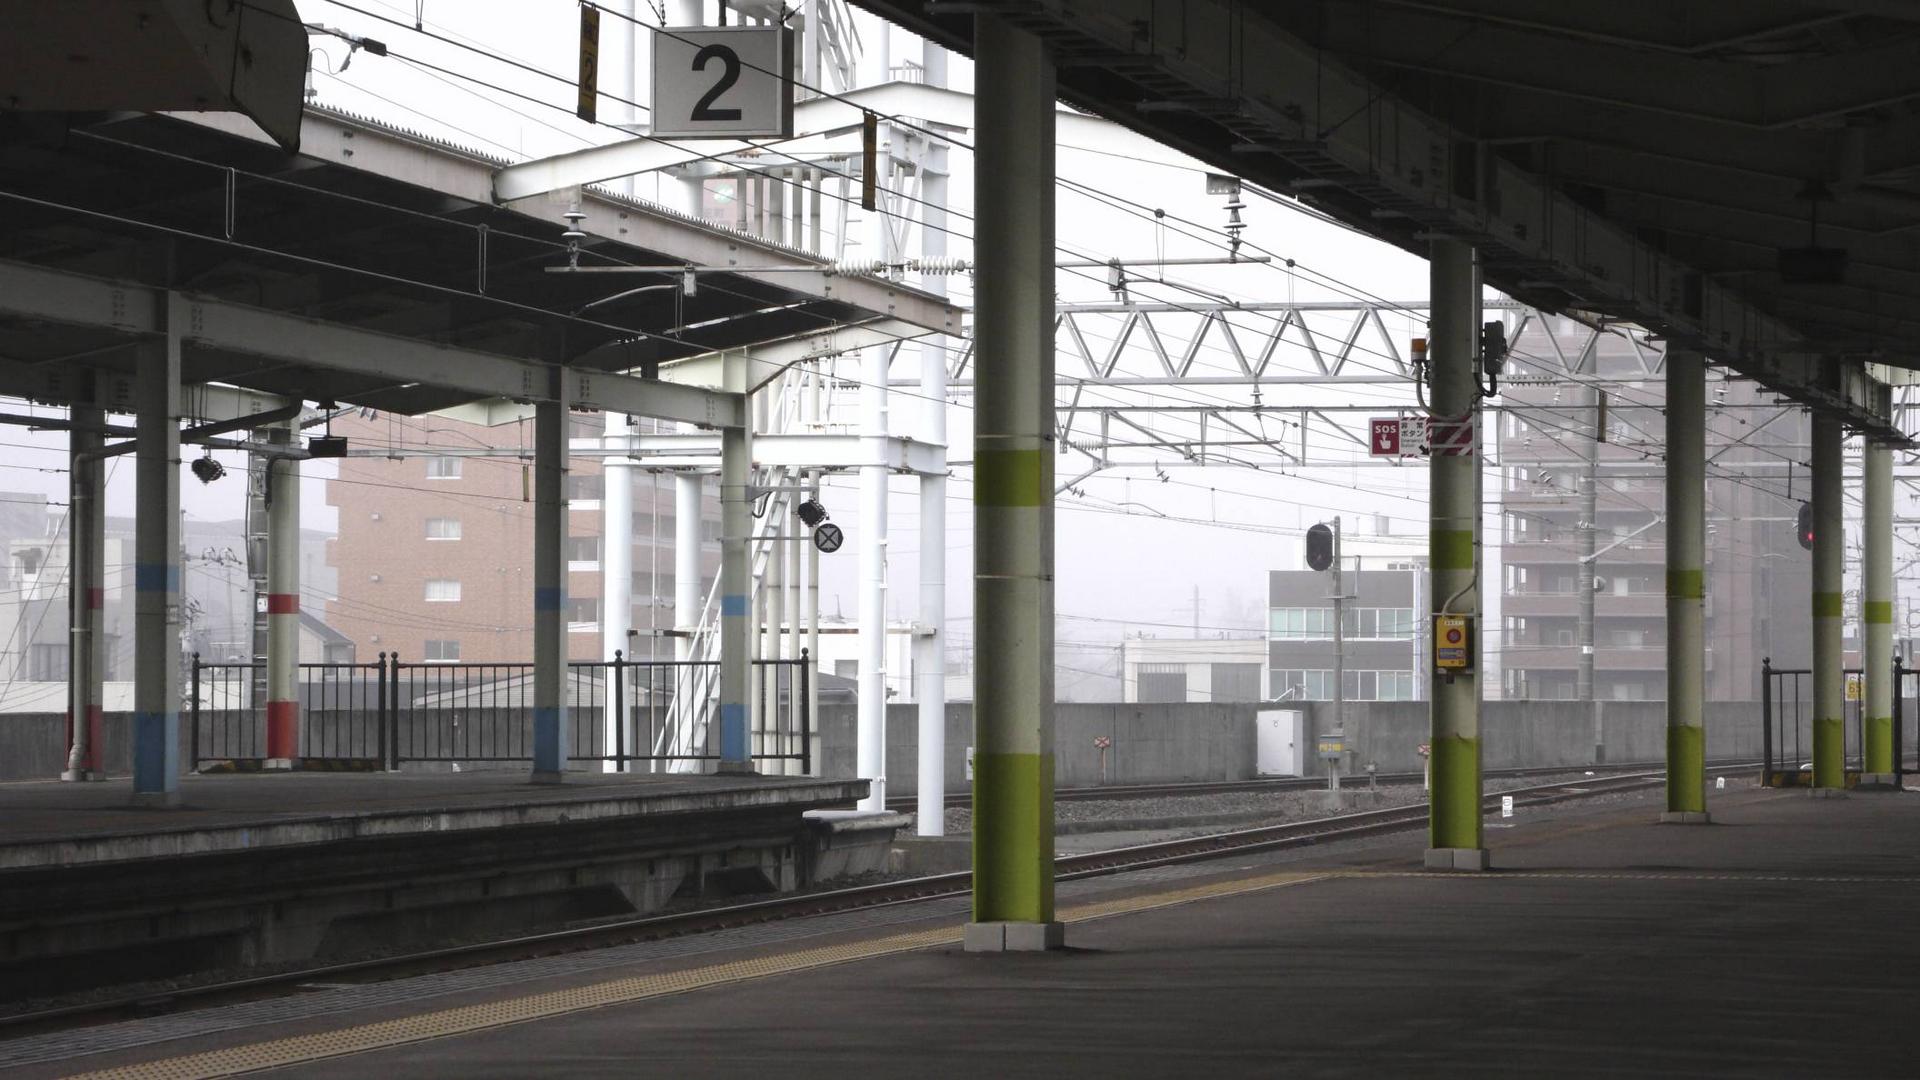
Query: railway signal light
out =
(1319, 547)
(1803, 528)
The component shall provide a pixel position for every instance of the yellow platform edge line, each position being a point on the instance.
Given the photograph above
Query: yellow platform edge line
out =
(465, 1019)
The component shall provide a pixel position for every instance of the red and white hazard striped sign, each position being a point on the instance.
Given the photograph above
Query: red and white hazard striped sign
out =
(1452, 436)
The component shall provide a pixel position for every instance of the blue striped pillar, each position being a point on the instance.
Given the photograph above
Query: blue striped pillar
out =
(549, 592)
(156, 571)
(736, 609)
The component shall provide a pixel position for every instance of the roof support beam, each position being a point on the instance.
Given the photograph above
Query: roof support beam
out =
(220, 327)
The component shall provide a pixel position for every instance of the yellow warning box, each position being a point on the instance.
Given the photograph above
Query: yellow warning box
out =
(1853, 687)
(1453, 643)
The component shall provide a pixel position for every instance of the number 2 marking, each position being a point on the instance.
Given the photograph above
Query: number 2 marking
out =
(729, 74)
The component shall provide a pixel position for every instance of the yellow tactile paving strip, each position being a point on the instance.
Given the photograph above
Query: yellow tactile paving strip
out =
(464, 1019)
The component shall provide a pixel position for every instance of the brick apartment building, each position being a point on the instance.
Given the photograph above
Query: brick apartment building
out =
(435, 550)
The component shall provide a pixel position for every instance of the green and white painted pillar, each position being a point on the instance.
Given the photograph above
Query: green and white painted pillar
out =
(1013, 494)
(1686, 588)
(1876, 615)
(1829, 542)
(1456, 840)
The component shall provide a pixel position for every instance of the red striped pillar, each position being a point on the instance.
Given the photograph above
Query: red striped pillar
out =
(283, 692)
(283, 606)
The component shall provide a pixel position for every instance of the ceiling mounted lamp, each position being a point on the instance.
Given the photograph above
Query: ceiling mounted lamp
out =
(206, 469)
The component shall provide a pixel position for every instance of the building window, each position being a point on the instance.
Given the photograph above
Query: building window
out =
(443, 590)
(709, 530)
(443, 528)
(1361, 623)
(847, 669)
(442, 651)
(1298, 685)
(583, 610)
(583, 552)
(443, 468)
(47, 662)
(585, 488)
(1379, 685)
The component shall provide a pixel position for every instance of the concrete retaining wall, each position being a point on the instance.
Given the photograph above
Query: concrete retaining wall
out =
(1156, 743)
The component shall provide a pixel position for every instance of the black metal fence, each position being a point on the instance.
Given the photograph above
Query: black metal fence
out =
(476, 715)
(1786, 733)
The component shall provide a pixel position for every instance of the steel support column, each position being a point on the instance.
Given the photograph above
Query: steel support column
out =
(86, 550)
(156, 571)
(1455, 836)
(1013, 900)
(550, 590)
(283, 600)
(736, 589)
(872, 703)
(1876, 615)
(1686, 588)
(1829, 544)
(616, 568)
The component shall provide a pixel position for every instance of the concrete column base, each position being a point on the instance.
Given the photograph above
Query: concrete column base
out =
(1457, 859)
(1879, 781)
(547, 776)
(1686, 817)
(737, 768)
(1005, 937)
(156, 800)
(279, 764)
(1827, 793)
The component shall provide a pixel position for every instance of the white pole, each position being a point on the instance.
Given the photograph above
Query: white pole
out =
(795, 597)
(873, 580)
(616, 571)
(812, 600)
(930, 649)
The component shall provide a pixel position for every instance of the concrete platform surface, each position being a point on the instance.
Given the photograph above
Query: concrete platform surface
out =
(1778, 941)
(62, 824)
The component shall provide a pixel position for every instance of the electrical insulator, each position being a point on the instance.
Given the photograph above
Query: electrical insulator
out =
(1234, 224)
(944, 264)
(858, 267)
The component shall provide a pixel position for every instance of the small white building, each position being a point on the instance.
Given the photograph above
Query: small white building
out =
(1190, 669)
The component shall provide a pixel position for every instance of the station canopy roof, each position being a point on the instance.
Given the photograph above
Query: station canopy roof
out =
(377, 229)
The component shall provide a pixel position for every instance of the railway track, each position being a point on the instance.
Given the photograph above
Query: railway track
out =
(1284, 783)
(1067, 867)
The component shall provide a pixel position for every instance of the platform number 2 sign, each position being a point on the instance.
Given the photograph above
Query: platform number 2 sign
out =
(722, 82)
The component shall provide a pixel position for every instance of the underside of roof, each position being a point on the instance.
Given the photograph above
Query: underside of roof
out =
(1659, 163)
(380, 230)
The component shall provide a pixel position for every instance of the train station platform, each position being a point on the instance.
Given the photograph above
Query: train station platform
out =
(268, 868)
(1778, 941)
